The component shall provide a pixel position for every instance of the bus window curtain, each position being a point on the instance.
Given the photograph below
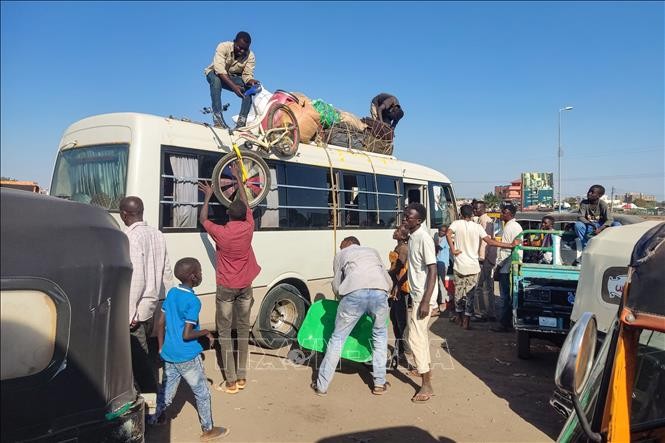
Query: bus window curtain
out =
(98, 176)
(270, 218)
(185, 190)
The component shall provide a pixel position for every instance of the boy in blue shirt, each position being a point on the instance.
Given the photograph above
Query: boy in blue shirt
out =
(178, 333)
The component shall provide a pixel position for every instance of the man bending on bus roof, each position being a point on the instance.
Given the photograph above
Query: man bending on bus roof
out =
(386, 108)
(151, 276)
(363, 283)
(236, 268)
(232, 69)
(594, 215)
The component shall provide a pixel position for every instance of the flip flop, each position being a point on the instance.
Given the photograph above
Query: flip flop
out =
(224, 388)
(426, 398)
(381, 389)
(241, 383)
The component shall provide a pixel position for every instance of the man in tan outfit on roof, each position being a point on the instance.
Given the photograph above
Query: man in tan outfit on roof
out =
(232, 69)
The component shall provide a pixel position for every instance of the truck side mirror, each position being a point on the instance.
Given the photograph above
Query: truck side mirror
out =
(576, 357)
(574, 365)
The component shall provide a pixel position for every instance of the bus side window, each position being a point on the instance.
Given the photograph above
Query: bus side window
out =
(442, 204)
(303, 193)
(181, 199)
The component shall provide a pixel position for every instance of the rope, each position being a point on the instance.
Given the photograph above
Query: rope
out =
(333, 187)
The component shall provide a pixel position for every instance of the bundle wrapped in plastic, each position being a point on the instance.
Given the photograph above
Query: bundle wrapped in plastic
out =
(328, 114)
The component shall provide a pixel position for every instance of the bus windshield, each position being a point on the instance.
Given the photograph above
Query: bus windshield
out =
(93, 174)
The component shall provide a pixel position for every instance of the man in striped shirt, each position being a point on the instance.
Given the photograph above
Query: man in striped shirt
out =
(151, 275)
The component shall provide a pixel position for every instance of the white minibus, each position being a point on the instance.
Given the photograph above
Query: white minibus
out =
(317, 197)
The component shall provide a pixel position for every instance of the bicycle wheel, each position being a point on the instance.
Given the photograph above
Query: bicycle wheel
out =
(226, 186)
(283, 133)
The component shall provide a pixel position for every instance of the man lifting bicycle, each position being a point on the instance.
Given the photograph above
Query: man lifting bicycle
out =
(232, 69)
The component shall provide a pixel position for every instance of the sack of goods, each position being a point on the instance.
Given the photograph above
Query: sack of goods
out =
(307, 117)
(378, 136)
(344, 135)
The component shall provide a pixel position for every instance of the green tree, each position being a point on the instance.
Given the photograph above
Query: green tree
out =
(491, 200)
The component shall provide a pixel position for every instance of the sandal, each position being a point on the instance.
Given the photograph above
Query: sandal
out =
(435, 312)
(222, 386)
(381, 389)
(241, 383)
(421, 398)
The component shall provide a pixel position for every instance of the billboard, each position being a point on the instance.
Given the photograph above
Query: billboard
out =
(537, 189)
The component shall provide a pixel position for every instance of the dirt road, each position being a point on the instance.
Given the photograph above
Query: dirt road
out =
(483, 393)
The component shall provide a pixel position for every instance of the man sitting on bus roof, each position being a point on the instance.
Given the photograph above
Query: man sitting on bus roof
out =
(232, 69)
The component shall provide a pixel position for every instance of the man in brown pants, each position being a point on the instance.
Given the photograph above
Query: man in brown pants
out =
(236, 268)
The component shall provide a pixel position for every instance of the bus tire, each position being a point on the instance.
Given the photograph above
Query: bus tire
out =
(280, 116)
(523, 345)
(282, 311)
(257, 184)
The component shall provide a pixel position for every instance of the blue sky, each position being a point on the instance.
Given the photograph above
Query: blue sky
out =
(481, 83)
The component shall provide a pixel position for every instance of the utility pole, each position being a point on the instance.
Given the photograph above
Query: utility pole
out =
(560, 152)
(612, 201)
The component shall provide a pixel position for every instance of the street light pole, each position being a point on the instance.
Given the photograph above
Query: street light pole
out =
(560, 153)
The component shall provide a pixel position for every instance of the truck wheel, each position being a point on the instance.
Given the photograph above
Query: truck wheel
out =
(281, 314)
(523, 345)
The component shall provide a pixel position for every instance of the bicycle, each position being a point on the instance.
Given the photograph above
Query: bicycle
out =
(281, 134)
(276, 129)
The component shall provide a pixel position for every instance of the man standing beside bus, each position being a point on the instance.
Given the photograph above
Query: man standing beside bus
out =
(423, 283)
(236, 268)
(232, 69)
(151, 276)
(484, 291)
(509, 239)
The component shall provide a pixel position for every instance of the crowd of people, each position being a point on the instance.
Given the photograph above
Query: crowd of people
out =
(408, 293)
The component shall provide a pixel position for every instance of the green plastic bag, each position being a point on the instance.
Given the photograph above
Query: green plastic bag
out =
(318, 327)
(328, 115)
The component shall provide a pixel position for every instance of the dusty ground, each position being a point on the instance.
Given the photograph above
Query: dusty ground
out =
(483, 393)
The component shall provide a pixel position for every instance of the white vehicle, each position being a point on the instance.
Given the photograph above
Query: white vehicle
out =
(317, 197)
(604, 273)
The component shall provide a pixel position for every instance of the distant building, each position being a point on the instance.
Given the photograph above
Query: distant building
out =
(22, 185)
(511, 192)
(630, 197)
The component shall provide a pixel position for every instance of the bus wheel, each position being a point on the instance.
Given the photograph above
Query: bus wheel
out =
(281, 314)
(523, 345)
(257, 184)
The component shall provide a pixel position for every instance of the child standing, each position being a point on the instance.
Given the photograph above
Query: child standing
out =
(178, 332)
